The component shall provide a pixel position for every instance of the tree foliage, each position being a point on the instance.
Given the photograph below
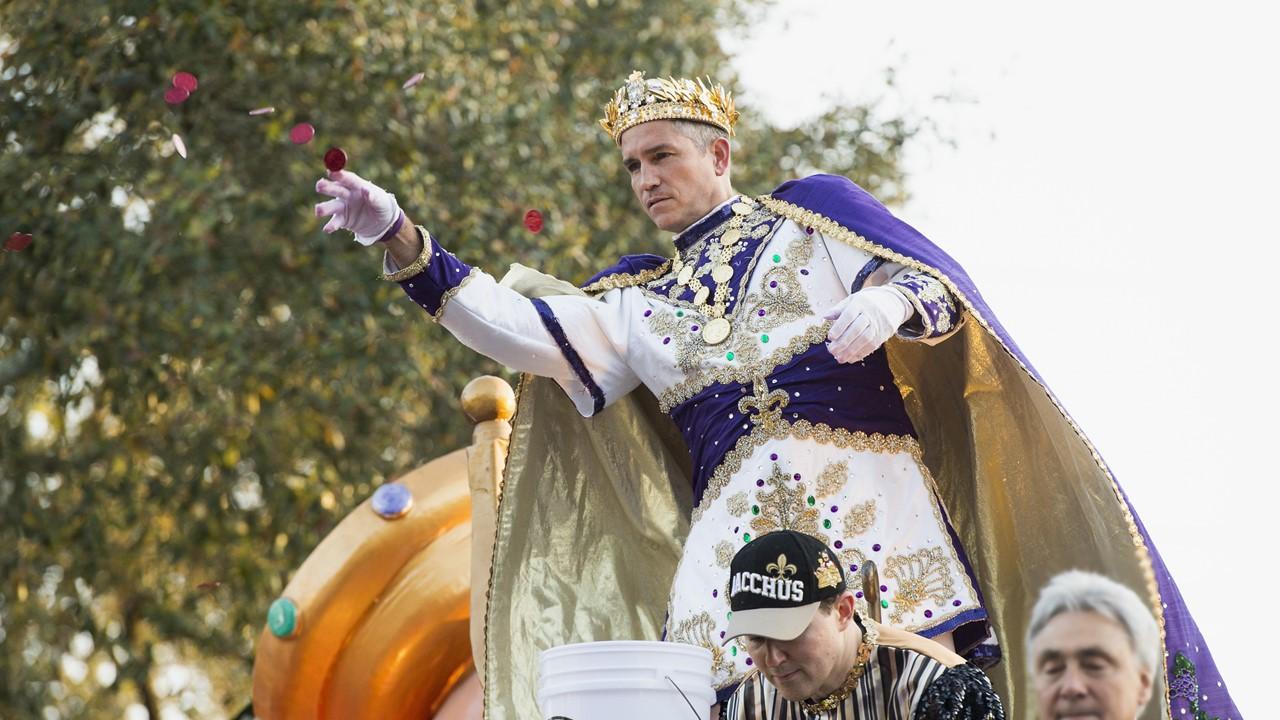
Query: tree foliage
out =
(195, 382)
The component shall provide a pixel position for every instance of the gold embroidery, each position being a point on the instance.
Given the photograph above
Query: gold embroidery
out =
(800, 430)
(923, 574)
(781, 568)
(724, 550)
(827, 573)
(785, 508)
(768, 405)
(750, 364)
(833, 478)
(833, 229)
(418, 265)
(737, 504)
(852, 558)
(623, 280)
(860, 518)
(698, 630)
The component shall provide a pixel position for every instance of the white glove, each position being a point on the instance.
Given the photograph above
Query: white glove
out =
(863, 322)
(357, 205)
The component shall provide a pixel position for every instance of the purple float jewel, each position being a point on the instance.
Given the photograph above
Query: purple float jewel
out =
(715, 593)
(838, 544)
(749, 661)
(834, 508)
(928, 613)
(808, 231)
(666, 341)
(392, 500)
(760, 312)
(858, 594)
(721, 634)
(760, 483)
(693, 328)
(804, 271)
(773, 456)
(647, 313)
(876, 547)
(773, 283)
(796, 476)
(884, 588)
(955, 603)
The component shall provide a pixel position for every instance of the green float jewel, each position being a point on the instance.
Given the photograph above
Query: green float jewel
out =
(884, 603)
(282, 618)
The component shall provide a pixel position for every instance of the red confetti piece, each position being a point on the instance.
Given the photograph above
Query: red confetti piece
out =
(335, 159)
(180, 146)
(176, 95)
(186, 81)
(533, 221)
(17, 242)
(302, 133)
(413, 81)
(262, 110)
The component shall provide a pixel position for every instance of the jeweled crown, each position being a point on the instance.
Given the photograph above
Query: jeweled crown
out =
(640, 100)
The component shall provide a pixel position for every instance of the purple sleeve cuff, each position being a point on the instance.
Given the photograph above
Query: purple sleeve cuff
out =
(936, 312)
(395, 228)
(442, 278)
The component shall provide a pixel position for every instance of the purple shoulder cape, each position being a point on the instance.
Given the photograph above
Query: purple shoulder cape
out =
(1195, 684)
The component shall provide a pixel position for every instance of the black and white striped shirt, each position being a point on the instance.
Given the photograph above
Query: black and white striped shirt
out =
(892, 687)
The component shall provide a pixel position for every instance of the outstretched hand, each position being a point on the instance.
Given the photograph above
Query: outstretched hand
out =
(357, 205)
(864, 321)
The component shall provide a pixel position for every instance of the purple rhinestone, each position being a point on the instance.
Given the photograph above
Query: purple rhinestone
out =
(773, 456)
(928, 613)
(956, 603)
(760, 312)
(693, 328)
(773, 283)
(749, 661)
(391, 500)
(876, 547)
(715, 593)
(834, 508)
(838, 544)
(735, 531)
(884, 588)
(760, 483)
(853, 568)
(808, 231)
(666, 340)
(804, 271)
(858, 594)
(647, 313)
(796, 476)
(721, 634)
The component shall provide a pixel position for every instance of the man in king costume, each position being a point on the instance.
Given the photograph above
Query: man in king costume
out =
(802, 360)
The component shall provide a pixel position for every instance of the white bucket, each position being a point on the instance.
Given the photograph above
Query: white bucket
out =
(625, 680)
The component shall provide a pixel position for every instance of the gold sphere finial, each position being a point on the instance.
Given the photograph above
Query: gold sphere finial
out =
(488, 398)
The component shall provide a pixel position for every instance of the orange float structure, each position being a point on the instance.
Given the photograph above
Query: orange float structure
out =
(376, 623)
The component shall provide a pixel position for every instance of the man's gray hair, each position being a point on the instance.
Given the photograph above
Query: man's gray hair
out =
(700, 133)
(1080, 591)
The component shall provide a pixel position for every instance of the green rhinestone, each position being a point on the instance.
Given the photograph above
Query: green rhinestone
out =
(764, 338)
(728, 356)
(282, 618)
(746, 537)
(679, 313)
(728, 615)
(733, 651)
(755, 509)
(884, 603)
(777, 258)
(812, 500)
(826, 524)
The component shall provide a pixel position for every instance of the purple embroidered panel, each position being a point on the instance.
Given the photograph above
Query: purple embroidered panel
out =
(441, 275)
(856, 397)
(1188, 659)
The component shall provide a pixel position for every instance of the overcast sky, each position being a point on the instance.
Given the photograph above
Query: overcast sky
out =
(1112, 192)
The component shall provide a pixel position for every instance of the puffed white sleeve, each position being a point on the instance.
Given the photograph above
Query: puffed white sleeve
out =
(578, 341)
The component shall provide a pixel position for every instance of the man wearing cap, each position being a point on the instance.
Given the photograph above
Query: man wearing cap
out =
(767, 337)
(816, 656)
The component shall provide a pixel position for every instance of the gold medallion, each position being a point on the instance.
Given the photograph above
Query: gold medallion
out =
(722, 273)
(686, 274)
(700, 298)
(742, 208)
(715, 332)
(731, 236)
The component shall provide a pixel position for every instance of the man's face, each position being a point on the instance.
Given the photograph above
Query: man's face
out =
(1085, 667)
(801, 668)
(675, 181)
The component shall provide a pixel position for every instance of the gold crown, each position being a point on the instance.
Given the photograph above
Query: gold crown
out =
(640, 100)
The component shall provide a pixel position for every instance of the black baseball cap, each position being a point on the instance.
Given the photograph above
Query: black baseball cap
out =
(776, 583)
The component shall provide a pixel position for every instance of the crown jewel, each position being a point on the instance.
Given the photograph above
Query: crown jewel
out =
(640, 100)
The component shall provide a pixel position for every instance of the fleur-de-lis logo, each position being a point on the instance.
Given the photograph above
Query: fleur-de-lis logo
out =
(782, 568)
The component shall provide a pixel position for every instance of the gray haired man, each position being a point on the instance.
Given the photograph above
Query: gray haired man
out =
(1093, 648)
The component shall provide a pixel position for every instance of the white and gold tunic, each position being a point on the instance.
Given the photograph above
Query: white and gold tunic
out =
(781, 435)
